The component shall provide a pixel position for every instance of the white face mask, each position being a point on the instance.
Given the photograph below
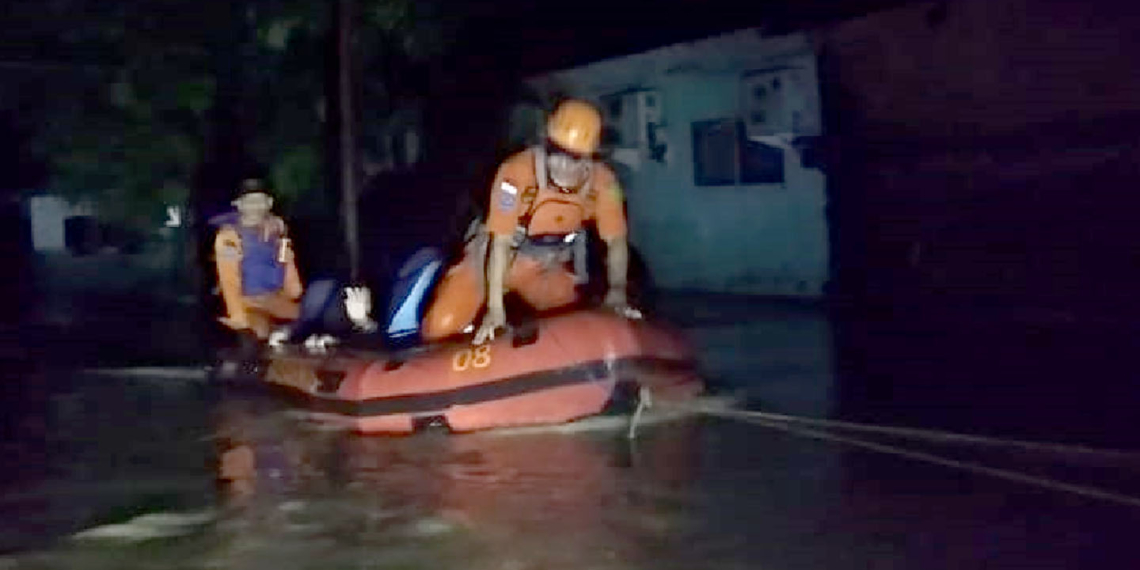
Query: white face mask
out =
(253, 207)
(567, 171)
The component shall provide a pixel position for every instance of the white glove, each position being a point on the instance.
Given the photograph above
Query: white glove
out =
(617, 302)
(494, 320)
(629, 312)
(358, 304)
(278, 337)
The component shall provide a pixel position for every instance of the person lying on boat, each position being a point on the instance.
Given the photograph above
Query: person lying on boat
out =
(256, 267)
(335, 313)
(540, 199)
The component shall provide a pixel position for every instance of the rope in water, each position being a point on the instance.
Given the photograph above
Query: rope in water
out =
(937, 435)
(786, 423)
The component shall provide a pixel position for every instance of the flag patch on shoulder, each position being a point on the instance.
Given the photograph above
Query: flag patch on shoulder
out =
(508, 197)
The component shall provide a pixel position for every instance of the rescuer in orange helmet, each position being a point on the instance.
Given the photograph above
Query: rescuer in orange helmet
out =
(540, 199)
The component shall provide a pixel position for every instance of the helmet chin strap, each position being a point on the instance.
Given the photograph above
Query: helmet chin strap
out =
(540, 167)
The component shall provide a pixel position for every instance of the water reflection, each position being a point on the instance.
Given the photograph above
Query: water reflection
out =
(690, 494)
(534, 500)
(707, 494)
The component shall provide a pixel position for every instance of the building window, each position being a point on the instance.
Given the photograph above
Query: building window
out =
(723, 156)
(759, 163)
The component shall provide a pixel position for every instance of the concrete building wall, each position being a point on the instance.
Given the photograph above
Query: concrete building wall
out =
(47, 215)
(759, 238)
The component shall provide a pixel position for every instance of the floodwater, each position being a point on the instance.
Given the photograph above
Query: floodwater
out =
(155, 469)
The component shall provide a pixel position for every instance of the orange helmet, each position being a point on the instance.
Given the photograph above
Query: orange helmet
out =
(575, 126)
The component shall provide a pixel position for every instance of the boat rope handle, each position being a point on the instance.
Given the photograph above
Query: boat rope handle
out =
(786, 423)
(644, 402)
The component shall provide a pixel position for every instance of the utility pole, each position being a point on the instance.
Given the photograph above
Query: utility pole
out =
(347, 132)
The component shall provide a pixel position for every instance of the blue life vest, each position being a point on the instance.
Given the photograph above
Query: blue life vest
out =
(260, 271)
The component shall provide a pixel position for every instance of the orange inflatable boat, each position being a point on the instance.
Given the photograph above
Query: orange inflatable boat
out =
(575, 365)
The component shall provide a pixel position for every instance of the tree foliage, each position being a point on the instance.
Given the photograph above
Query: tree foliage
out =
(125, 89)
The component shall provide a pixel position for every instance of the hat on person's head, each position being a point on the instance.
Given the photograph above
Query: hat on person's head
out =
(253, 186)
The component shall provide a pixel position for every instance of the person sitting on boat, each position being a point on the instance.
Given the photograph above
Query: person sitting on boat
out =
(540, 199)
(256, 269)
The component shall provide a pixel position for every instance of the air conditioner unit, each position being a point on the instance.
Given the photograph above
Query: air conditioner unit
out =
(781, 101)
(630, 115)
(650, 104)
